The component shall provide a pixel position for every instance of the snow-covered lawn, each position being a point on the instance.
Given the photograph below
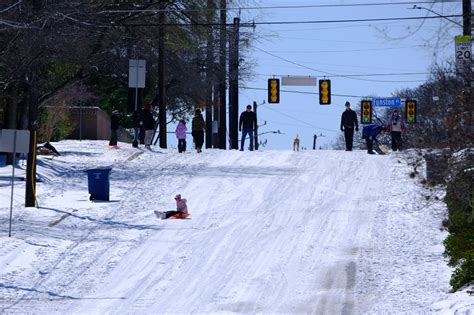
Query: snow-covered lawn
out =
(324, 232)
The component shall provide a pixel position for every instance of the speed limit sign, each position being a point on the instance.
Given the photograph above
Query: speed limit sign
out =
(463, 51)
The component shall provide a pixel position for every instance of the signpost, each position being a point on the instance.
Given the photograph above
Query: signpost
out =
(136, 76)
(388, 102)
(463, 47)
(14, 141)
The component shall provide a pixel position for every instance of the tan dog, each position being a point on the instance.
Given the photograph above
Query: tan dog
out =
(296, 144)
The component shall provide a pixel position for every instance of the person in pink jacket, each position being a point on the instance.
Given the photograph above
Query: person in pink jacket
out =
(181, 209)
(181, 135)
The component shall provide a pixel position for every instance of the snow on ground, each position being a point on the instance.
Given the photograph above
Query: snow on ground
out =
(324, 232)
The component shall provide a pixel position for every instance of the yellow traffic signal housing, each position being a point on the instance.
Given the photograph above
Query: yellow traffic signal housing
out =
(273, 91)
(410, 110)
(366, 112)
(324, 92)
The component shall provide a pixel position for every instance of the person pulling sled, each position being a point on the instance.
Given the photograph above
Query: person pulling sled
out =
(180, 213)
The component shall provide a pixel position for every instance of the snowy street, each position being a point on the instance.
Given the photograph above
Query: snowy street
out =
(323, 232)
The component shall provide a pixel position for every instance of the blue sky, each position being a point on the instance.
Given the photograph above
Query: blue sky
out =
(387, 47)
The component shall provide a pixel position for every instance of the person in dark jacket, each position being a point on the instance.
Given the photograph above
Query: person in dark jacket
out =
(348, 121)
(197, 130)
(136, 123)
(247, 124)
(148, 125)
(114, 125)
(370, 133)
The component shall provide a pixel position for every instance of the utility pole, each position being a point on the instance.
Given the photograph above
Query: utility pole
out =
(467, 111)
(256, 125)
(222, 101)
(234, 85)
(314, 141)
(33, 103)
(33, 94)
(161, 76)
(209, 73)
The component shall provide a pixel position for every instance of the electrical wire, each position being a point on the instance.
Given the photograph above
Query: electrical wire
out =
(253, 24)
(358, 75)
(346, 50)
(328, 73)
(300, 92)
(284, 7)
(299, 120)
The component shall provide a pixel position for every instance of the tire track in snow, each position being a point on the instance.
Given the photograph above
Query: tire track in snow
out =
(67, 257)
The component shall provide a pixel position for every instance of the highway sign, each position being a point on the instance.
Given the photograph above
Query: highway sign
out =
(388, 101)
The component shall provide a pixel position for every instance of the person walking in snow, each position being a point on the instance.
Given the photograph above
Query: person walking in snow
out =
(247, 124)
(370, 133)
(181, 209)
(114, 125)
(181, 135)
(348, 121)
(136, 123)
(148, 125)
(197, 130)
(395, 126)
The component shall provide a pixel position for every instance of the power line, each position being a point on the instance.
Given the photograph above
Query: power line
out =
(346, 50)
(299, 120)
(253, 24)
(351, 20)
(300, 92)
(358, 75)
(325, 72)
(283, 7)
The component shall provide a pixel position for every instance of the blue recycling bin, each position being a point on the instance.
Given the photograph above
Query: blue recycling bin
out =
(99, 185)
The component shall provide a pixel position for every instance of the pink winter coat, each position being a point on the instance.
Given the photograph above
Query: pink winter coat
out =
(181, 205)
(181, 131)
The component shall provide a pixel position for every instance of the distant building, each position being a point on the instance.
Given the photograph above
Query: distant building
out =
(95, 124)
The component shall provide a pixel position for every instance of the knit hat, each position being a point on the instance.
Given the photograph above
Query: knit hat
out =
(178, 196)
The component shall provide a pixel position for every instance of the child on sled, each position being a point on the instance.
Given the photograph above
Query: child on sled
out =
(181, 210)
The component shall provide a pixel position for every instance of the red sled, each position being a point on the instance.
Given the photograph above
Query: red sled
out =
(180, 216)
(162, 215)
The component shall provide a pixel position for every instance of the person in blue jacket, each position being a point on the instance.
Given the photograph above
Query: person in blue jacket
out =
(370, 133)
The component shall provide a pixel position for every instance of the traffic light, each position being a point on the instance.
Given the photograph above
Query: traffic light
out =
(273, 91)
(410, 110)
(324, 92)
(366, 112)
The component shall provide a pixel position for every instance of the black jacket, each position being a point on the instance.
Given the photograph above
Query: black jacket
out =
(114, 122)
(248, 120)
(148, 120)
(198, 123)
(349, 119)
(136, 119)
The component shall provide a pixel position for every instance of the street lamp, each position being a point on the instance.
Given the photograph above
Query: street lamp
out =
(274, 131)
(444, 17)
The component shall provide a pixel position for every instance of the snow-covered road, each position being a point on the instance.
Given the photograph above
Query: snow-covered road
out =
(324, 232)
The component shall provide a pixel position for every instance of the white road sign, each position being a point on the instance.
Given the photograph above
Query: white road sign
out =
(298, 80)
(136, 73)
(463, 45)
(14, 141)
